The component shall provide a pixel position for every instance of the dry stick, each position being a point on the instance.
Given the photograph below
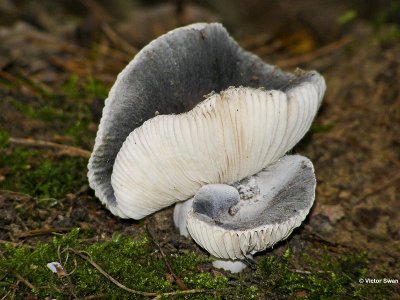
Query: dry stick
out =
(5, 296)
(178, 280)
(41, 231)
(14, 289)
(15, 193)
(300, 271)
(120, 285)
(10, 243)
(67, 150)
(302, 59)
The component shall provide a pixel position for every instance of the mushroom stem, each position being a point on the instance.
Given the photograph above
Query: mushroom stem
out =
(234, 266)
(181, 212)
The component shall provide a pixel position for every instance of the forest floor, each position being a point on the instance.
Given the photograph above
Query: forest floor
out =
(57, 63)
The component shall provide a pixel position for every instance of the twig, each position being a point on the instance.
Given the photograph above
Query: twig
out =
(66, 150)
(41, 231)
(5, 296)
(178, 280)
(9, 242)
(15, 193)
(105, 274)
(120, 285)
(24, 281)
(300, 271)
(305, 58)
(14, 289)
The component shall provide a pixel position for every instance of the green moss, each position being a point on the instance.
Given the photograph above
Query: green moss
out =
(76, 88)
(318, 128)
(54, 179)
(327, 277)
(388, 35)
(31, 264)
(3, 138)
(31, 173)
(386, 24)
(82, 92)
(186, 262)
(95, 89)
(67, 108)
(347, 17)
(45, 113)
(71, 87)
(135, 264)
(389, 14)
(131, 262)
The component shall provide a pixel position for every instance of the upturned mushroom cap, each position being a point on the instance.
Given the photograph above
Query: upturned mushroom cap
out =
(231, 222)
(224, 139)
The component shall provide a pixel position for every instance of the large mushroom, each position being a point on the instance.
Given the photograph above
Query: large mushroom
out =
(213, 150)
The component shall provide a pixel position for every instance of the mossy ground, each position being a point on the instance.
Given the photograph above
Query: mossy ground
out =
(48, 213)
(136, 264)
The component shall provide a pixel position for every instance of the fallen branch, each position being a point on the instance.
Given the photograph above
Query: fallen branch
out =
(64, 149)
(308, 57)
(120, 285)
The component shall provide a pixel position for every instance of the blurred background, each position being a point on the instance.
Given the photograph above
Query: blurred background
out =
(58, 60)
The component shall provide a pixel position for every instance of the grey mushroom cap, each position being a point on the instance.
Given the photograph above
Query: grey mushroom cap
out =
(231, 222)
(171, 75)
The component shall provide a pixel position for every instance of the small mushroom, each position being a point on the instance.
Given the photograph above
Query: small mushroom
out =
(254, 113)
(267, 207)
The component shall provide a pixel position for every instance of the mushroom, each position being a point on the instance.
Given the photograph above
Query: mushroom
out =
(234, 221)
(158, 144)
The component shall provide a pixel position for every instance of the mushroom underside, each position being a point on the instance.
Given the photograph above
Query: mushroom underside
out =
(264, 210)
(227, 137)
(171, 75)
